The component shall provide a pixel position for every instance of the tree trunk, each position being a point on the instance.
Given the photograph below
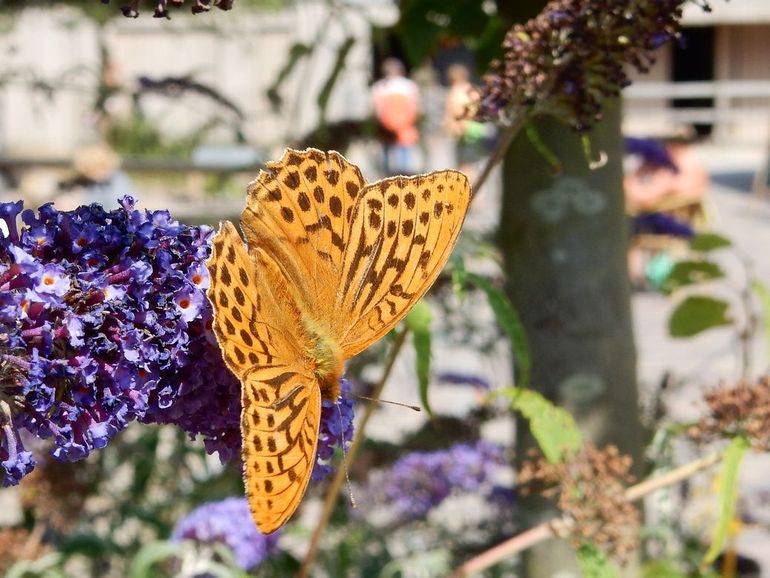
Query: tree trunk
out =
(564, 241)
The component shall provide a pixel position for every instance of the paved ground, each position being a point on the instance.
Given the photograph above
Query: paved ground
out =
(704, 361)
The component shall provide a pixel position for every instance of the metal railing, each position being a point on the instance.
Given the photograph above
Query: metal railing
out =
(724, 94)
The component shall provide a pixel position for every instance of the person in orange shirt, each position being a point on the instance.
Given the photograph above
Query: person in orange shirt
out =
(396, 104)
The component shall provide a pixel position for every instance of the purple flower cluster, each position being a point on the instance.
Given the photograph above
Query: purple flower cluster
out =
(336, 430)
(575, 54)
(228, 522)
(104, 320)
(420, 481)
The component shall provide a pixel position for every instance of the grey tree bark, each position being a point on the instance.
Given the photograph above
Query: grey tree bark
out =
(564, 241)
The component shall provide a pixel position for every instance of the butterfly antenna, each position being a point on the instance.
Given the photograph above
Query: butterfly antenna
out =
(412, 407)
(345, 460)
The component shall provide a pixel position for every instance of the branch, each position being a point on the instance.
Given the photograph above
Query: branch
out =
(505, 140)
(558, 526)
(341, 473)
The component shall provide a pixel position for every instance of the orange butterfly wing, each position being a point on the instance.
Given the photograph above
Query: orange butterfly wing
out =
(299, 210)
(402, 232)
(348, 247)
(259, 332)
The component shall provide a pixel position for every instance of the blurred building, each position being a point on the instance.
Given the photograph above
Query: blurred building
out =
(51, 66)
(717, 80)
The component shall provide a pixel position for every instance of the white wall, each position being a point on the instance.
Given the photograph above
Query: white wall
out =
(237, 52)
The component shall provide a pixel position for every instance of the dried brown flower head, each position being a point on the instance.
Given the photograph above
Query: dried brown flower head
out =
(743, 409)
(574, 54)
(161, 7)
(591, 494)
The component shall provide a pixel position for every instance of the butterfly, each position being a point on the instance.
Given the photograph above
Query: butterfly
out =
(332, 265)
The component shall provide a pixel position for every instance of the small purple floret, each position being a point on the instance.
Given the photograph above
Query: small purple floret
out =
(336, 429)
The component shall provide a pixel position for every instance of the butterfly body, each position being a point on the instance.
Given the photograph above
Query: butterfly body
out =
(325, 358)
(332, 264)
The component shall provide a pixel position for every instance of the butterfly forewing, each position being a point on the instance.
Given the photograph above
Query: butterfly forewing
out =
(245, 338)
(258, 327)
(299, 210)
(402, 232)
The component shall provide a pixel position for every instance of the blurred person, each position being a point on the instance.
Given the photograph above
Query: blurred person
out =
(654, 187)
(665, 194)
(436, 148)
(396, 105)
(469, 135)
(98, 178)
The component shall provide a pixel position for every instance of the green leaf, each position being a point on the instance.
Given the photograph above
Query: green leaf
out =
(89, 545)
(417, 33)
(763, 292)
(459, 275)
(661, 569)
(690, 272)
(430, 563)
(697, 313)
(594, 563)
(728, 495)
(705, 242)
(47, 566)
(511, 323)
(418, 320)
(553, 427)
(537, 142)
(143, 564)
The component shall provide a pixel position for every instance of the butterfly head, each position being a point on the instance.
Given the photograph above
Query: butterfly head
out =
(325, 359)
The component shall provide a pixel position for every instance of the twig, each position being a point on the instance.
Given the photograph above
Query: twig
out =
(674, 476)
(339, 477)
(505, 140)
(557, 526)
(751, 322)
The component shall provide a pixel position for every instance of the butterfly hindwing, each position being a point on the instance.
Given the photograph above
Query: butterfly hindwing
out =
(258, 326)
(281, 411)
(402, 232)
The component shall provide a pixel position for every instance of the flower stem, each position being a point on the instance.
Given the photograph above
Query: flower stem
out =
(339, 477)
(7, 427)
(557, 526)
(676, 475)
(747, 333)
(505, 140)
